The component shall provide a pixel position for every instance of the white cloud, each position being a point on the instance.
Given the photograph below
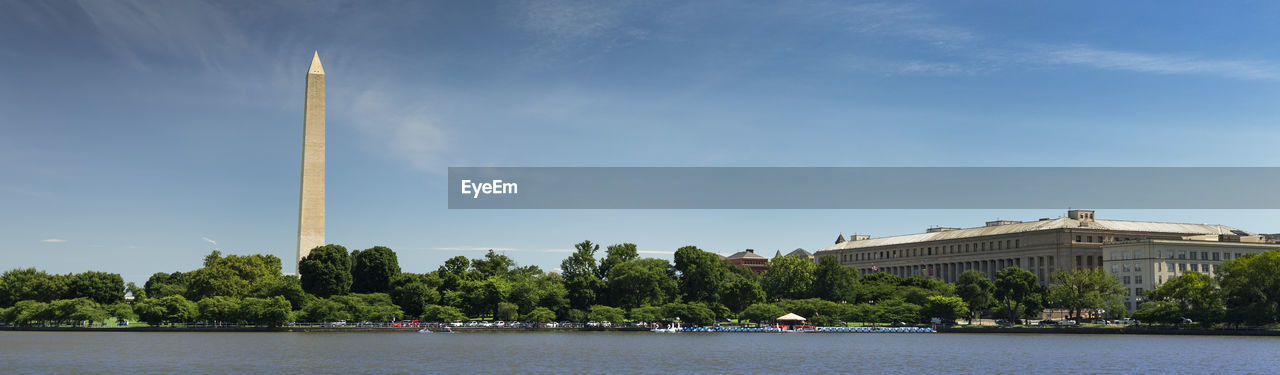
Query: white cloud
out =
(209, 240)
(559, 251)
(475, 248)
(402, 130)
(559, 25)
(134, 30)
(898, 19)
(1087, 56)
(658, 252)
(54, 240)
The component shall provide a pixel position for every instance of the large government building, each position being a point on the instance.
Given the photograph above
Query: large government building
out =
(1145, 264)
(1041, 246)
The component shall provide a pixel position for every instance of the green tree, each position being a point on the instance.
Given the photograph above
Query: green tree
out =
(1251, 288)
(100, 287)
(701, 274)
(288, 287)
(1159, 312)
(1195, 295)
(413, 296)
(1015, 291)
(121, 310)
(789, 278)
(326, 271)
(1082, 290)
(615, 255)
(947, 308)
(648, 314)
(373, 269)
(506, 311)
(437, 313)
(762, 313)
(168, 309)
(642, 282)
(696, 313)
(741, 290)
(895, 310)
(272, 311)
(580, 275)
(602, 313)
(878, 286)
(232, 275)
(165, 284)
(540, 315)
(493, 265)
(219, 309)
(30, 284)
(834, 282)
(325, 310)
(27, 312)
(977, 291)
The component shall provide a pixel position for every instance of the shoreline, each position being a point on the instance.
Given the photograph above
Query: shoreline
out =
(975, 330)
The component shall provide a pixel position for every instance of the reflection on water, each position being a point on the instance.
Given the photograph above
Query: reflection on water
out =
(629, 352)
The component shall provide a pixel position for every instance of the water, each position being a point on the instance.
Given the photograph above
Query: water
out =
(629, 352)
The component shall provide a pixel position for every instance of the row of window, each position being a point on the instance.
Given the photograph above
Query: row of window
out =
(1170, 254)
(932, 250)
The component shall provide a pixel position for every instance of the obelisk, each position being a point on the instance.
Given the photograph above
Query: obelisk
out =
(311, 196)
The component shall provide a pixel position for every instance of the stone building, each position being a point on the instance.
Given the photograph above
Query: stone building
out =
(1040, 246)
(1144, 264)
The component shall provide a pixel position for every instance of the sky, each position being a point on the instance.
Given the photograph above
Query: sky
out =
(138, 136)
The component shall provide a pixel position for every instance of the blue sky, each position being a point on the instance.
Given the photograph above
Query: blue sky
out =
(138, 136)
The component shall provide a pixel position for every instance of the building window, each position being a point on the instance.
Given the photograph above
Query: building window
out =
(1137, 267)
(1195, 267)
(1138, 280)
(1182, 255)
(1182, 267)
(1215, 255)
(1115, 256)
(1016, 243)
(1115, 268)
(1204, 255)
(1126, 267)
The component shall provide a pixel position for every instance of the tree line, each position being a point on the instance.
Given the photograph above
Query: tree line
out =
(615, 285)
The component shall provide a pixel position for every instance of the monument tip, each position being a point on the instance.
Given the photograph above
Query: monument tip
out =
(315, 68)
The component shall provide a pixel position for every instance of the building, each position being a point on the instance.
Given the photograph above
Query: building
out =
(1144, 264)
(748, 258)
(311, 189)
(1042, 246)
(800, 252)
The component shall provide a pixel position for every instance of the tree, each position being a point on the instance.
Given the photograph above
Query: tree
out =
(493, 265)
(325, 310)
(219, 309)
(232, 275)
(895, 310)
(288, 287)
(1015, 290)
(506, 311)
(1159, 312)
(581, 276)
(834, 282)
(413, 296)
(165, 284)
(121, 310)
(26, 312)
(1084, 290)
(30, 284)
(946, 308)
(976, 290)
(701, 274)
(100, 287)
(272, 311)
(741, 291)
(615, 255)
(1194, 295)
(326, 271)
(168, 309)
(602, 313)
(642, 282)
(1251, 289)
(373, 269)
(789, 278)
(762, 313)
(646, 314)
(540, 315)
(696, 313)
(437, 313)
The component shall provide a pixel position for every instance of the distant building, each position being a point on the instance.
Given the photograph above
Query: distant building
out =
(1040, 246)
(1144, 264)
(748, 258)
(801, 253)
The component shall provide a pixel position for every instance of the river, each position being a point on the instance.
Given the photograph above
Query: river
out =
(629, 352)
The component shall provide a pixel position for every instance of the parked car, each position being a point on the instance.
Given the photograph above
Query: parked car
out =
(1068, 322)
(1101, 321)
(1048, 322)
(1127, 321)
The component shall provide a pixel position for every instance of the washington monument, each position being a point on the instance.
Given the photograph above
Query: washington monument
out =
(311, 196)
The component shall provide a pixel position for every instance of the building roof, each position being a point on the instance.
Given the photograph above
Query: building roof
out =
(1031, 226)
(800, 253)
(791, 316)
(745, 254)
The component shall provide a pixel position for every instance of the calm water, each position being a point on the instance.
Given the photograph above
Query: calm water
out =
(629, 352)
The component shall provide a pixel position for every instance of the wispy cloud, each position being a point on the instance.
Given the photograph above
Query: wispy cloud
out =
(475, 248)
(403, 130)
(209, 240)
(558, 251)
(898, 19)
(558, 25)
(1083, 55)
(137, 30)
(54, 240)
